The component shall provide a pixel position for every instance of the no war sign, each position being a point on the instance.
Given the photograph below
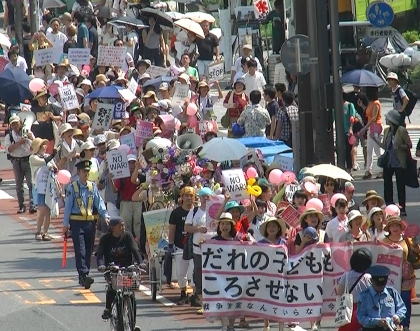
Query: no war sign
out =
(118, 164)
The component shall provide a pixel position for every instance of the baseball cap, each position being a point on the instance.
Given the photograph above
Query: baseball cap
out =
(164, 86)
(205, 191)
(72, 118)
(131, 157)
(115, 221)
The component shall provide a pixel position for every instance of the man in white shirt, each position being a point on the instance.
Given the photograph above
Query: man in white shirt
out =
(16, 62)
(56, 37)
(195, 223)
(338, 225)
(237, 67)
(131, 40)
(18, 149)
(254, 80)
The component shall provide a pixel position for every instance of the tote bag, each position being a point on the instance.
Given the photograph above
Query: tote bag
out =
(344, 305)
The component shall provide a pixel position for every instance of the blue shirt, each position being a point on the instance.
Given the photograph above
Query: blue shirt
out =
(71, 206)
(374, 306)
(82, 32)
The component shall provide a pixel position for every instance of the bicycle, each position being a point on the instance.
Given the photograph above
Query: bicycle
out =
(124, 281)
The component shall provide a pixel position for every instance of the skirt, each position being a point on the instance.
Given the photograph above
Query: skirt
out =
(354, 325)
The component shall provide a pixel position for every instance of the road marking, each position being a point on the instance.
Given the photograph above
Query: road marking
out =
(161, 299)
(48, 282)
(42, 299)
(89, 297)
(5, 196)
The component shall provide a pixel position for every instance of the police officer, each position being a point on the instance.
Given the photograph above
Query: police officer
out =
(380, 305)
(82, 206)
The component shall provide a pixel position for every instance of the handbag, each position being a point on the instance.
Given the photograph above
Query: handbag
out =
(411, 179)
(187, 252)
(383, 160)
(225, 120)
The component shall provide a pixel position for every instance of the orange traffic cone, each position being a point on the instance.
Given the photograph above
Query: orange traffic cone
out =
(414, 299)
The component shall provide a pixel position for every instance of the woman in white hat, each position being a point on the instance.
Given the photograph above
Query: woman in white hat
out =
(87, 153)
(69, 150)
(41, 163)
(376, 218)
(355, 223)
(310, 219)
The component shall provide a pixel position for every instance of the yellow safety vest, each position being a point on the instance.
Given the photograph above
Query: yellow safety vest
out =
(86, 214)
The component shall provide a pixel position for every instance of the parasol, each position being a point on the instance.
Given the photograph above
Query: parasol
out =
(362, 77)
(5, 41)
(160, 17)
(223, 149)
(199, 17)
(175, 15)
(129, 21)
(190, 26)
(14, 86)
(331, 171)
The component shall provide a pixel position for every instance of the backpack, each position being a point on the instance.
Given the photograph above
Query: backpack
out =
(412, 101)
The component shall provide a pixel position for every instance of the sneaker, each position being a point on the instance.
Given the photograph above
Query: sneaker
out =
(137, 328)
(194, 301)
(200, 311)
(22, 210)
(184, 298)
(46, 237)
(403, 212)
(356, 167)
(266, 329)
(32, 210)
(106, 315)
(225, 328)
(38, 236)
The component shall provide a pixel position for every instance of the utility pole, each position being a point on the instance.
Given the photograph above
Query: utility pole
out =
(34, 12)
(18, 24)
(338, 94)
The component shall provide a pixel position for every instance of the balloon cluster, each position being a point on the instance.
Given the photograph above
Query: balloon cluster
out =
(253, 189)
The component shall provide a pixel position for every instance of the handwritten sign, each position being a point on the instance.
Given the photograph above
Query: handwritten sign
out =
(118, 164)
(155, 71)
(212, 208)
(290, 191)
(291, 216)
(68, 97)
(144, 130)
(79, 56)
(216, 71)
(47, 55)
(264, 281)
(3, 62)
(285, 163)
(235, 183)
(180, 93)
(111, 56)
(157, 228)
(132, 86)
(203, 127)
(42, 179)
(103, 116)
(325, 202)
(119, 110)
(128, 140)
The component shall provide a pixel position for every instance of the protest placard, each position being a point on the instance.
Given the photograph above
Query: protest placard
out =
(79, 56)
(103, 116)
(118, 164)
(235, 184)
(47, 56)
(143, 130)
(263, 281)
(132, 85)
(3, 62)
(25, 107)
(42, 179)
(285, 163)
(119, 110)
(68, 97)
(326, 203)
(203, 127)
(111, 56)
(216, 71)
(127, 95)
(291, 216)
(212, 207)
(129, 140)
(157, 228)
(290, 191)
(283, 204)
(155, 71)
(180, 93)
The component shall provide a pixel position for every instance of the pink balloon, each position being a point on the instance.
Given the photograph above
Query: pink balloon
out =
(337, 196)
(315, 203)
(275, 176)
(392, 210)
(86, 67)
(251, 172)
(177, 124)
(124, 148)
(310, 187)
(245, 202)
(36, 85)
(63, 177)
(192, 109)
(287, 177)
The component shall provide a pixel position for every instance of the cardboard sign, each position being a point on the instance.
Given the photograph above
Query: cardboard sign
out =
(235, 184)
(144, 130)
(42, 179)
(119, 110)
(118, 164)
(283, 204)
(46, 56)
(111, 56)
(128, 140)
(103, 116)
(290, 191)
(212, 207)
(68, 97)
(286, 163)
(3, 62)
(291, 216)
(79, 56)
(326, 203)
(180, 93)
(132, 86)
(155, 71)
(203, 127)
(127, 95)
(216, 71)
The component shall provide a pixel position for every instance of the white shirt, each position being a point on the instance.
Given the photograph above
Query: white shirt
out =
(135, 38)
(256, 228)
(21, 64)
(335, 229)
(238, 75)
(57, 39)
(22, 151)
(255, 82)
(128, 59)
(238, 65)
(199, 219)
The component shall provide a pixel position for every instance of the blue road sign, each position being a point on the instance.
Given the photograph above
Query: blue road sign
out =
(380, 14)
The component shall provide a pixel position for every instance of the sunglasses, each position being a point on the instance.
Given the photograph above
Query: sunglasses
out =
(329, 184)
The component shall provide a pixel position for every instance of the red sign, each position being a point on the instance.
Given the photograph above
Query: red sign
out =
(283, 204)
(3, 62)
(202, 127)
(326, 202)
(412, 231)
(291, 216)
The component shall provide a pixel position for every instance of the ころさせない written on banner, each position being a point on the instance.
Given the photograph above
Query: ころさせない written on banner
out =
(259, 280)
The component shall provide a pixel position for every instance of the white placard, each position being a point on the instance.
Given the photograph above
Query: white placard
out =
(111, 56)
(285, 163)
(68, 97)
(180, 93)
(47, 55)
(129, 140)
(132, 86)
(216, 71)
(118, 164)
(42, 179)
(79, 56)
(155, 71)
(235, 184)
(290, 191)
(103, 116)
(262, 281)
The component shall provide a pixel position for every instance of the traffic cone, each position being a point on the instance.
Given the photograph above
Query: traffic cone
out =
(414, 299)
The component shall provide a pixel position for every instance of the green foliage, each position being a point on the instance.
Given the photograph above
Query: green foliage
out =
(411, 36)
(415, 73)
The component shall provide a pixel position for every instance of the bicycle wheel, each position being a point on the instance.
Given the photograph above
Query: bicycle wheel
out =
(116, 320)
(128, 314)
(153, 285)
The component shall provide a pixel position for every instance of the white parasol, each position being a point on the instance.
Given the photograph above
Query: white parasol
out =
(190, 26)
(329, 170)
(5, 41)
(223, 149)
(199, 17)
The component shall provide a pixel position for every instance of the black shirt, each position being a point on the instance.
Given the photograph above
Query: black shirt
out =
(71, 43)
(27, 53)
(93, 38)
(218, 237)
(11, 12)
(44, 128)
(206, 47)
(177, 218)
(273, 109)
(119, 250)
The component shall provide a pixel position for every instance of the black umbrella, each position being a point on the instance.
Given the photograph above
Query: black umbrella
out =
(14, 86)
(129, 21)
(160, 17)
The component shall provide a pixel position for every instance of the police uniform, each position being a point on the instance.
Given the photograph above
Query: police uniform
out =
(82, 206)
(374, 306)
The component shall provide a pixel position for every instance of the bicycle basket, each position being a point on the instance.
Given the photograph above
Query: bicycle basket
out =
(124, 282)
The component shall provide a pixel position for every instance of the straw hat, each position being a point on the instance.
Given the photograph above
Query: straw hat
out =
(355, 214)
(113, 144)
(375, 210)
(100, 78)
(185, 77)
(395, 220)
(151, 94)
(64, 128)
(40, 94)
(372, 194)
(203, 84)
(77, 132)
(84, 117)
(279, 221)
(311, 211)
(126, 128)
(87, 145)
(65, 63)
(226, 217)
(37, 143)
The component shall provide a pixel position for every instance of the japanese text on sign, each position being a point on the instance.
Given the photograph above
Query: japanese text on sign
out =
(111, 56)
(47, 56)
(155, 71)
(128, 140)
(261, 7)
(180, 93)
(79, 56)
(132, 85)
(263, 281)
(143, 130)
(380, 32)
(68, 97)
(235, 183)
(118, 164)
(216, 71)
(119, 110)
(42, 179)
(103, 116)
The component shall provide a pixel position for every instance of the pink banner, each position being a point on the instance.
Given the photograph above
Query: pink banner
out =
(144, 130)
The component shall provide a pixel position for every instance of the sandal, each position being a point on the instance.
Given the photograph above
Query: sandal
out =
(380, 175)
(367, 175)
(38, 236)
(46, 237)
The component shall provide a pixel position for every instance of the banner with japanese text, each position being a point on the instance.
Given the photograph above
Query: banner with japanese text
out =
(242, 279)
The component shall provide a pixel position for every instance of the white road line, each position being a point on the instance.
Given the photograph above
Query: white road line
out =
(5, 196)
(160, 298)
